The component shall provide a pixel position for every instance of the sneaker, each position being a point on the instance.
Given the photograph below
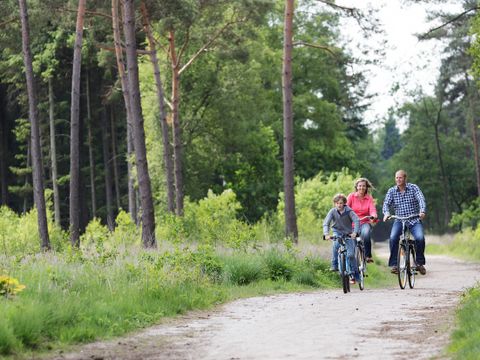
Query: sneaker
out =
(394, 270)
(333, 269)
(369, 260)
(421, 269)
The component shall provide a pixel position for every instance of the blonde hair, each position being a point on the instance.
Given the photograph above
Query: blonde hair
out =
(367, 182)
(339, 197)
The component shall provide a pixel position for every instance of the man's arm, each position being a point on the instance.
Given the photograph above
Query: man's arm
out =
(386, 205)
(421, 202)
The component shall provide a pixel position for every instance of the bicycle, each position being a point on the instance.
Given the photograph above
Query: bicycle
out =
(342, 260)
(406, 263)
(360, 257)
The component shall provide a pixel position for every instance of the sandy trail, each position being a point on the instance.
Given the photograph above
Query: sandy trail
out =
(370, 324)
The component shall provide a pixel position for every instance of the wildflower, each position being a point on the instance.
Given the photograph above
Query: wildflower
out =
(9, 286)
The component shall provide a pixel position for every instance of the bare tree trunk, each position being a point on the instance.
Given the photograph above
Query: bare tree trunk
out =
(53, 154)
(148, 217)
(3, 151)
(25, 184)
(177, 131)
(167, 157)
(132, 202)
(113, 134)
(91, 158)
(75, 130)
(107, 172)
(474, 131)
(37, 167)
(288, 161)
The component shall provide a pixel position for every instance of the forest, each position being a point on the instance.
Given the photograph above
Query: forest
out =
(163, 123)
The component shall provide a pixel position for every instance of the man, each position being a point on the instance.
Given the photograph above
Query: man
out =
(406, 199)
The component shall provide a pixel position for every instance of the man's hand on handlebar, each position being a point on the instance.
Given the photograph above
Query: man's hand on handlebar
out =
(421, 215)
(326, 237)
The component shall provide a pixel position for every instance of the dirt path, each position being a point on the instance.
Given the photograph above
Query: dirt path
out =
(371, 324)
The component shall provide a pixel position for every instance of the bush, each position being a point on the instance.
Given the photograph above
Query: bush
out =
(243, 270)
(279, 265)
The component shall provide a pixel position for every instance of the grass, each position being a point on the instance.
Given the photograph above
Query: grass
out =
(465, 339)
(80, 297)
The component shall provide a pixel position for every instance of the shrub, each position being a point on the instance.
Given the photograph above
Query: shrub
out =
(279, 265)
(243, 270)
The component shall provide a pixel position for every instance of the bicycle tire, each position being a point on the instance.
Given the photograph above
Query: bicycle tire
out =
(343, 273)
(412, 266)
(361, 264)
(402, 260)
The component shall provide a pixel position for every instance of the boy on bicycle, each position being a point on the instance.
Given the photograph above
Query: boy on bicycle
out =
(341, 218)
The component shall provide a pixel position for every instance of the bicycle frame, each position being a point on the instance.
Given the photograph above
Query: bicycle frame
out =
(406, 262)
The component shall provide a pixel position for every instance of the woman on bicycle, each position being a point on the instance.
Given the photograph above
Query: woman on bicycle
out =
(363, 204)
(341, 218)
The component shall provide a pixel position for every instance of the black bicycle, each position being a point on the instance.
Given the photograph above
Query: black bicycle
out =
(360, 257)
(342, 261)
(406, 263)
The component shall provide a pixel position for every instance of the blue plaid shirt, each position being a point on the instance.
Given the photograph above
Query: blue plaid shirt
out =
(410, 202)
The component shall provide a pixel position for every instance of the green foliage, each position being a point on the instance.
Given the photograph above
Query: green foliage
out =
(465, 342)
(313, 200)
(279, 265)
(243, 270)
(468, 218)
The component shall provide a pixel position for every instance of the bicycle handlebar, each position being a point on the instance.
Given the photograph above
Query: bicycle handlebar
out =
(403, 218)
(369, 217)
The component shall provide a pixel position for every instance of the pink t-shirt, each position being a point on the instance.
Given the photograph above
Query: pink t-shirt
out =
(362, 207)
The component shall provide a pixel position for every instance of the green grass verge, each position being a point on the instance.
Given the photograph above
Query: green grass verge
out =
(79, 297)
(465, 339)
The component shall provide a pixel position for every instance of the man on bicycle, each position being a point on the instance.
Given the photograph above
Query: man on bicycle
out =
(406, 199)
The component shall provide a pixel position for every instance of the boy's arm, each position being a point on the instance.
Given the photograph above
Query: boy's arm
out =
(356, 223)
(326, 222)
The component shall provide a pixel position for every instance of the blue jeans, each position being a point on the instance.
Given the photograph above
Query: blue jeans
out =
(417, 233)
(351, 262)
(365, 234)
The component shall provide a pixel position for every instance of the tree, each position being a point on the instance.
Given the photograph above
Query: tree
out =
(291, 229)
(37, 167)
(148, 219)
(75, 130)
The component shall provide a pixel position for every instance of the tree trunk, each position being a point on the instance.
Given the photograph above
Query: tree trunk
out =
(107, 172)
(25, 185)
(75, 130)
(3, 150)
(474, 131)
(37, 168)
(167, 157)
(53, 154)
(91, 158)
(113, 138)
(291, 230)
(132, 201)
(177, 131)
(148, 218)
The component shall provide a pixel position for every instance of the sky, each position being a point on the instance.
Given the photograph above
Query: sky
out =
(408, 62)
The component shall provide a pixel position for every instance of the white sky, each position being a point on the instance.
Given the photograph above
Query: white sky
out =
(408, 62)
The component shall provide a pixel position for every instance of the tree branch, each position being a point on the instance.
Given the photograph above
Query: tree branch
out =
(7, 22)
(112, 49)
(90, 12)
(349, 10)
(326, 48)
(209, 42)
(424, 36)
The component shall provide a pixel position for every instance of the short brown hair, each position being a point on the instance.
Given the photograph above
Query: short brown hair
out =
(339, 197)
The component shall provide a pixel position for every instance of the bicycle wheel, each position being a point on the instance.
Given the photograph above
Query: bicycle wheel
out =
(361, 264)
(343, 273)
(412, 266)
(402, 264)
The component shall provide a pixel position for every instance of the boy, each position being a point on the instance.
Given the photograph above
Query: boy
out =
(342, 218)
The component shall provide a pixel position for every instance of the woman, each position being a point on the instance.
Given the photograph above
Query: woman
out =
(363, 204)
